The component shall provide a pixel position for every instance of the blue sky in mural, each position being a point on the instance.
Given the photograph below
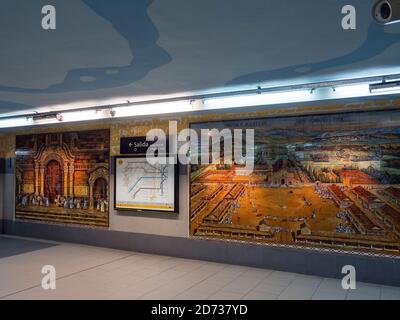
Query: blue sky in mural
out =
(117, 49)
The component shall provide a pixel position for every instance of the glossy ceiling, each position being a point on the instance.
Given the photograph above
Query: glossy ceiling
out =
(112, 51)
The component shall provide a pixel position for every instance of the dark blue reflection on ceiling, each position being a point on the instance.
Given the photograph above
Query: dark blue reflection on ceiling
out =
(9, 106)
(130, 19)
(377, 42)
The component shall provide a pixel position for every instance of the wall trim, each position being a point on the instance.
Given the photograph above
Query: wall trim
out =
(380, 270)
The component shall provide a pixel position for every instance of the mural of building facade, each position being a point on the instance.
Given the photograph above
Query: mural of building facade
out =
(322, 181)
(63, 177)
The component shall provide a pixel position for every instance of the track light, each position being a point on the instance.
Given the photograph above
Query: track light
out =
(47, 118)
(392, 87)
(258, 96)
(59, 117)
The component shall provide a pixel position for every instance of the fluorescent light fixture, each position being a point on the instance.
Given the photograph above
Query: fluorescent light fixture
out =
(385, 87)
(153, 109)
(216, 101)
(261, 99)
(16, 122)
(85, 115)
(352, 91)
(284, 97)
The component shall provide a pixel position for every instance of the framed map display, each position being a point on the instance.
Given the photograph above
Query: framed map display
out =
(142, 185)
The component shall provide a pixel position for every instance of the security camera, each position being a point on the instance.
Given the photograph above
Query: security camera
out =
(386, 11)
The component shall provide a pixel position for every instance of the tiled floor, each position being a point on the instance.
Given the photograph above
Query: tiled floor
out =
(85, 272)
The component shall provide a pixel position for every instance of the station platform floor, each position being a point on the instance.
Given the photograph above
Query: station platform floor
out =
(85, 272)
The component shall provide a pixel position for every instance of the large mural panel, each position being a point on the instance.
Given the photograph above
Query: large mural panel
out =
(321, 181)
(63, 177)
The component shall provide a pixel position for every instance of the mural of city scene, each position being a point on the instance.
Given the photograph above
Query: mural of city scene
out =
(326, 181)
(63, 177)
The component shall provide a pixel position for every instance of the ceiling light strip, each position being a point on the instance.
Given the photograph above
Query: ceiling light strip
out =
(227, 100)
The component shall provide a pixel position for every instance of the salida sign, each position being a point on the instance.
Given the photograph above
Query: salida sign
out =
(139, 145)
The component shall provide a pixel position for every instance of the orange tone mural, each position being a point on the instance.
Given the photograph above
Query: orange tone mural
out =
(322, 181)
(63, 177)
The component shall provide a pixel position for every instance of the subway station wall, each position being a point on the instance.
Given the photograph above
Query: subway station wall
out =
(153, 223)
(2, 169)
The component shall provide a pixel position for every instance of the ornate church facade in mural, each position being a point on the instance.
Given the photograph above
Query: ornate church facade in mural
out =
(63, 177)
(323, 181)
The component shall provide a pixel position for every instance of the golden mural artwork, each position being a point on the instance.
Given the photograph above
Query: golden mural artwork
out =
(321, 181)
(137, 127)
(63, 177)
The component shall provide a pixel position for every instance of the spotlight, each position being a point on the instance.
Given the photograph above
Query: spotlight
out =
(393, 86)
(47, 118)
(386, 11)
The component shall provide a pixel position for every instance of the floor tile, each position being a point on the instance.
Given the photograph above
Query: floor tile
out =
(226, 295)
(253, 295)
(85, 272)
